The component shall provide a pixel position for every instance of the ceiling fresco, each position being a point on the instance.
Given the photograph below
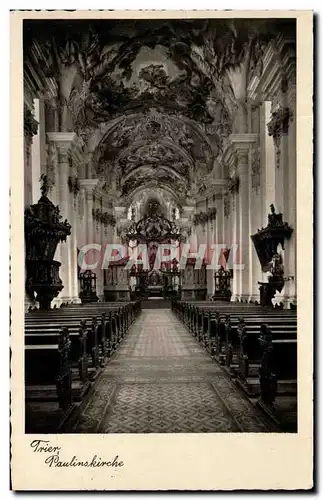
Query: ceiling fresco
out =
(169, 88)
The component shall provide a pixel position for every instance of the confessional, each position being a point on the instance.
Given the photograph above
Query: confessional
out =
(222, 284)
(87, 281)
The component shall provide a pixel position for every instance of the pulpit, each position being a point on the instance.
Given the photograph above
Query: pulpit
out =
(266, 242)
(44, 229)
(274, 284)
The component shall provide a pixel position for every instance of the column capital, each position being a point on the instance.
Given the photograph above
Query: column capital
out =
(188, 211)
(242, 142)
(88, 185)
(62, 139)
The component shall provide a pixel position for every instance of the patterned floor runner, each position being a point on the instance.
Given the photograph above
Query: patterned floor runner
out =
(161, 380)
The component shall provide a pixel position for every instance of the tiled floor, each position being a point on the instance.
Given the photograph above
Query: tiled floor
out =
(161, 380)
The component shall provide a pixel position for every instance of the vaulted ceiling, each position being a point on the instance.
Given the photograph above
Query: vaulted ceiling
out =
(162, 92)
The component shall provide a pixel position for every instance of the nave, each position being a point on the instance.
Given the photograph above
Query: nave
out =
(160, 165)
(161, 380)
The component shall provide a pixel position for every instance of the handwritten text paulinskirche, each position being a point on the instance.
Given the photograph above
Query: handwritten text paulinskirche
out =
(53, 458)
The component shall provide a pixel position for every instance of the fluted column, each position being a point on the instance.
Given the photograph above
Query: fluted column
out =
(268, 176)
(255, 219)
(220, 233)
(209, 243)
(242, 144)
(228, 233)
(28, 198)
(67, 251)
(74, 188)
(278, 128)
(88, 186)
(243, 222)
(98, 225)
(290, 267)
(235, 243)
(38, 150)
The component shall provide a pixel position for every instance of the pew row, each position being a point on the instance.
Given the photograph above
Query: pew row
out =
(232, 333)
(92, 335)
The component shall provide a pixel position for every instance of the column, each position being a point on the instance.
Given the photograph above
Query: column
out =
(242, 144)
(278, 128)
(236, 256)
(227, 233)
(74, 189)
(244, 237)
(255, 219)
(30, 130)
(216, 238)
(36, 147)
(220, 238)
(267, 172)
(209, 242)
(67, 250)
(88, 186)
(99, 240)
(267, 151)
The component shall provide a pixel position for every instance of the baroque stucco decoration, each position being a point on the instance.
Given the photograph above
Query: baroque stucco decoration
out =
(152, 146)
(97, 72)
(178, 86)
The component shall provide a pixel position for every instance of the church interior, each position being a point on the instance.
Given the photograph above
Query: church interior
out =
(160, 225)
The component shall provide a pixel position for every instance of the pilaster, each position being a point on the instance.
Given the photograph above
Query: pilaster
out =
(241, 144)
(88, 187)
(255, 219)
(278, 129)
(67, 252)
(30, 130)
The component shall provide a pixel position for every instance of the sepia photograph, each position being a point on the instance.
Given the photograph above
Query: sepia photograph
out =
(160, 225)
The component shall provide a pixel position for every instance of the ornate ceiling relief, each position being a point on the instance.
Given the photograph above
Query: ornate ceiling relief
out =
(153, 146)
(153, 102)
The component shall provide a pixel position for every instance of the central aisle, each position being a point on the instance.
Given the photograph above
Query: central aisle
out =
(161, 380)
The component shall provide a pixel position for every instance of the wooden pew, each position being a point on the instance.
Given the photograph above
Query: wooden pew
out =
(108, 327)
(46, 326)
(225, 330)
(48, 367)
(94, 334)
(222, 329)
(278, 367)
(249, 354)
(91, 336)
(231, 331)
(207, 321)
